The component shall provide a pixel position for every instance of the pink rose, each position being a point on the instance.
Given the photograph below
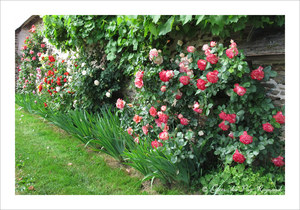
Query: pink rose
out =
(258, 74)
(31, 52)
(185, 80)
(207, 52)
(212, 76)
(120, 103)
(201, 64)
(39, 54)
(140, 74)
(33, 58)
(137, 140)
(245, 138)
(233, 44)
(153, 111)
(268, 127)
(153, 53)
(163, 108)
(278, 161)
(223, 126)
(129, 130)
(239, 89)
(231, 135)
(163, 118)
(191, 49)
(213, 43)
(138, 83)
(170, 74)
(137, 119)
(205, 47)
(156, 144)
(42, 45)
(279, 117)
(145, 130)
(163, 88)
(180, 116)
(184, 121)
(164, 135)
(238, 157)
(213, 59)
(201, 84)
(230, 53)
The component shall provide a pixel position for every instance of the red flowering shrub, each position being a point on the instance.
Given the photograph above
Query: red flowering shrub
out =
(191, 109)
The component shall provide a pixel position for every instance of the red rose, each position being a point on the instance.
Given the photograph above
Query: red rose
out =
(66, 73)
(156, 144)
(212, 76)
(58, 83)
(223, 115)
(184, 121)
(278, 161)
(45, 105)
(163, 76)
(153, 111)
(185, 80)
(258, 74)
(279, 117)
(223, 126)
(145, 129)
(163, 118)
(40, 88)
(164, 135)
(268, 127)
(230, 53)
(213, 59)
(201, 84)
(178, 95)
(245, 138)
(239, 89)
(201, 64)
(163, 88)
(231, 118)
(65, 79)
(238, 157)
(51, 58)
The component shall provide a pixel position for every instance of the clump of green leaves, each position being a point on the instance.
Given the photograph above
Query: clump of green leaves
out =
(238, 180)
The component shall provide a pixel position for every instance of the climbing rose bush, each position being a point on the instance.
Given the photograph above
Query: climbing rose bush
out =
(205, 101)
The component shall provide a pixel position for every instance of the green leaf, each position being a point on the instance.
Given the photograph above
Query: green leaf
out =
(273, 74)
(199, 18)
(185, 18)
(111, 56)
(155, 18)
(153, 29)
(167, 27)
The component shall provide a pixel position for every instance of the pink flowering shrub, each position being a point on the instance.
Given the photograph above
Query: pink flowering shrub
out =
(206, 101)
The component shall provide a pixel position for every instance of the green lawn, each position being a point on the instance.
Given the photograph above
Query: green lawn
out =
(51, 162)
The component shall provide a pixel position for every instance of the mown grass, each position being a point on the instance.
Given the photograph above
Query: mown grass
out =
(51, 162)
